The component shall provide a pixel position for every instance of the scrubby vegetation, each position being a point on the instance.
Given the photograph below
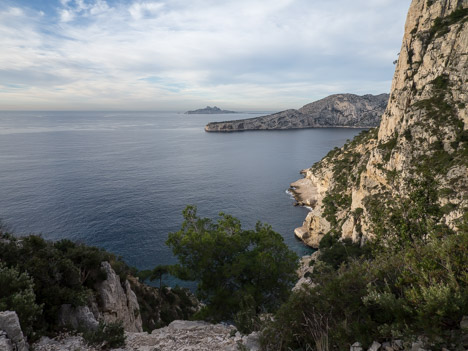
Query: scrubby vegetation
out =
(61, 272)
(37, 277)
(106, 336)
(382, 294)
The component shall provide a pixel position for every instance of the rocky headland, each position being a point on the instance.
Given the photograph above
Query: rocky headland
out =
(208, 111)
(420, 146)
(339, 110)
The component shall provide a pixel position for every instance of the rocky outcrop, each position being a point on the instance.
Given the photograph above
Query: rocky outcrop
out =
(340, 110)
(113, 302)
(11, 335)
(117, 303)
(178, 336)
(208, 111)
(78, 318)
(420, 148)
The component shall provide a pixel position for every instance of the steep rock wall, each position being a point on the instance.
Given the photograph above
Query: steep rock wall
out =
(418, 155)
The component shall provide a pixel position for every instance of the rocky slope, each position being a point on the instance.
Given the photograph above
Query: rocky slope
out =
(340, 110)
(179, 335)
(411, 172)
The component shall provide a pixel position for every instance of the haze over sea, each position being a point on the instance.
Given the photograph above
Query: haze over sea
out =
(120, 180)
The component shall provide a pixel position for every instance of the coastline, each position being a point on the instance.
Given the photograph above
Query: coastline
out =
(208, 130)
(305, 192)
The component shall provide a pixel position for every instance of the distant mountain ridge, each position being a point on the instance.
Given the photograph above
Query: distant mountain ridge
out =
(208, 111)
(339, 110)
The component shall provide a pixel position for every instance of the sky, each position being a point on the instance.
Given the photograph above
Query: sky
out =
(247, 55)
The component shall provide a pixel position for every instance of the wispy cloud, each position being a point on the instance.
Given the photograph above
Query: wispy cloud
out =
(175, 54)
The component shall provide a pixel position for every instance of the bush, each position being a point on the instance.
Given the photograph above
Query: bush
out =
(17, 294)
(421, 289)
(335, 252)
(106, 336)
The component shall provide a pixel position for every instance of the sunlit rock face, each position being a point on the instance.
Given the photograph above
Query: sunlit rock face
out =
(422, 136)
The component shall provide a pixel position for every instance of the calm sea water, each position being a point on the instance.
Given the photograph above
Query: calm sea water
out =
(121, 180)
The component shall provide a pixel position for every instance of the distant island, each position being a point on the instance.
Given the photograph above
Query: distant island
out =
(339, 110)
(208, 111)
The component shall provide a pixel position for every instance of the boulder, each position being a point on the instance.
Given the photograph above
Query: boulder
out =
(252, 341)
(356, 347)
(398, 344)
(10, 324)
(79, 317)
(375, 346)
(5, 343)
(464, 324)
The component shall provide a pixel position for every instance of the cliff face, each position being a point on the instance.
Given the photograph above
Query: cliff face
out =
(411, 172)
(340, 110)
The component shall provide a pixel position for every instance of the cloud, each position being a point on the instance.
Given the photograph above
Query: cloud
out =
(175, 54)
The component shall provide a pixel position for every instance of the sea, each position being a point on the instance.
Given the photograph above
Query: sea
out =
(120, 180)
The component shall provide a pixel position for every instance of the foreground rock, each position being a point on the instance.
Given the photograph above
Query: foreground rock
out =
(208, 111)
(11, 335)
(422, 136)
(178, 336)
(340, 110)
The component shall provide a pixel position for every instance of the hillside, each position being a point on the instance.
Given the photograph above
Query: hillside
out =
(339, 110)
(412, 170)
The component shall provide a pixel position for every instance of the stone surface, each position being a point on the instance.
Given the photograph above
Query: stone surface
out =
(356, 347)
(63, 343)
(177, 336)
(5, 343)
(375, 346)
(77, 317)
(340, 110)
(407, 125)
(464, 323)
(117, 303)
(10, 324)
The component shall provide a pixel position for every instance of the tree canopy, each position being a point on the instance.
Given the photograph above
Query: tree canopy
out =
(235, 268)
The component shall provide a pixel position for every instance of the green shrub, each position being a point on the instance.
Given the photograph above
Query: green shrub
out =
(17, 294)
(422, 289)
(334, 252)
(106, 336)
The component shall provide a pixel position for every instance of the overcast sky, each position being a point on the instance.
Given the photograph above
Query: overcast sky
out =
(184, 54)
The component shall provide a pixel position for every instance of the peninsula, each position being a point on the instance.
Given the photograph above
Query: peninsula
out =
(339, 110)
(208, 111)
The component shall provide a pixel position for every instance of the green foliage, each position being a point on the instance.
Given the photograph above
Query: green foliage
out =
(388, 147)
(232, 265)
(335, 253)
(157, 273)
(422, 289)
(330, 315)
(63, 272)
(441, 25)
(17, 294)
(400, 220)
(106, 336)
